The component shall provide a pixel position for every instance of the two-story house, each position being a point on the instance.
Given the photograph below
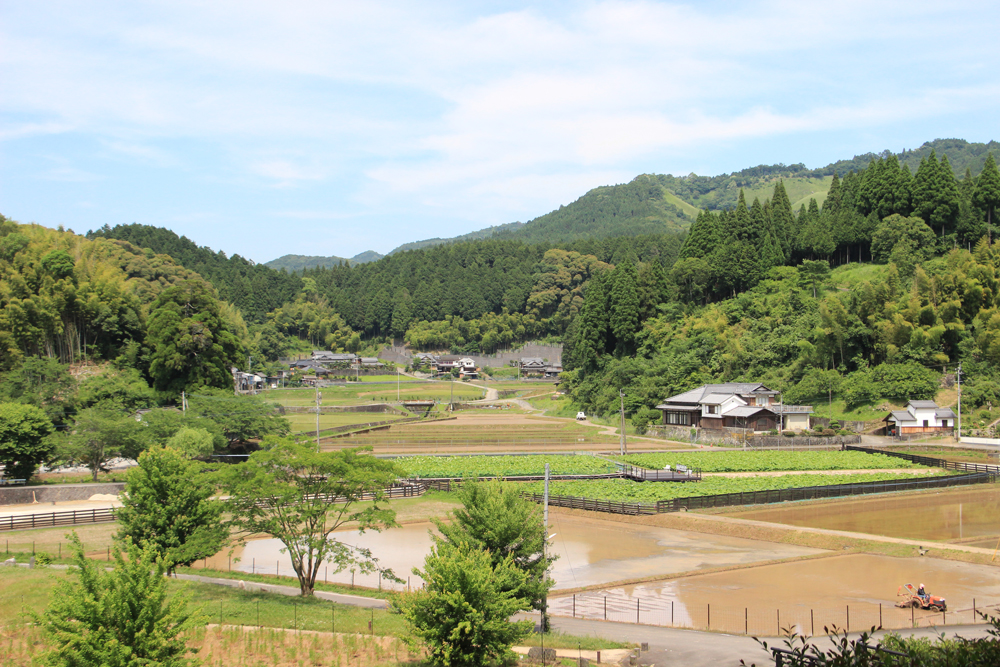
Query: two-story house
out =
(920, 417)
(746, 405)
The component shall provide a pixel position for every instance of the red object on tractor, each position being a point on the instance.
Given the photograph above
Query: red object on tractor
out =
(908, 597)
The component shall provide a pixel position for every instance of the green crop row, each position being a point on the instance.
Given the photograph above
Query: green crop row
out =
(772, 461)
(502, 466)
(629, 491)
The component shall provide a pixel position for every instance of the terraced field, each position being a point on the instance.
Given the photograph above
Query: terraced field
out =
(500, 432)
(306, 423)
(357, 393)
(501, 466)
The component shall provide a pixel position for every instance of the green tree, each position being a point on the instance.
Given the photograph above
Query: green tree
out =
(495, 517)
(99, 435)
(121, 618)
(814, 273)
(167, 504)
(43, 382)
(624, 316)
(241, 418)
(463, 613)
(895, 229)
(123, 390)
(286, 492)
(194, 443)
(986, 197)
(192, 345)
(24, 443)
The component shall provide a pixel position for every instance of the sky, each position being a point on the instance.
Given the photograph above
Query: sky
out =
(329, 128)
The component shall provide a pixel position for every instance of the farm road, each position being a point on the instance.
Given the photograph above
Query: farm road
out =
(292, 591)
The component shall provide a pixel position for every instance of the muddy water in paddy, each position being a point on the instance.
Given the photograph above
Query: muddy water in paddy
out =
(591, 552)
(947, 515)
(808, 594)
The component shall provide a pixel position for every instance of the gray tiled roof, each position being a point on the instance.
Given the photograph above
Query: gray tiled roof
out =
(744, 411)
(923, 405)
(727, 388)
(944, 413)
(900, 416)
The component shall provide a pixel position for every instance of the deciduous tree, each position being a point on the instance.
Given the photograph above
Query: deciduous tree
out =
(24, 443)
(300, 497)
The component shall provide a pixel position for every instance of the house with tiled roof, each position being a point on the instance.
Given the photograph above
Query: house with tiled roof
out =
(742, 405)
(920, 417)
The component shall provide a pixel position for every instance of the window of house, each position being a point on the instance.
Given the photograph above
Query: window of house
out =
(925, 423)
(713, 409)
(679, 418)
(944, 422)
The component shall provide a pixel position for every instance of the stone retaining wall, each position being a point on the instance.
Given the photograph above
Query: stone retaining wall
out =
(17, 495)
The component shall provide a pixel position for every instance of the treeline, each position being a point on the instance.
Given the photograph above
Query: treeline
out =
(253, 288)
(880, 213)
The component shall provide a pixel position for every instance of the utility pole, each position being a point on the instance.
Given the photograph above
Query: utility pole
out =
(319, 397)
(958, 378)
(545, 542)
(622, 447)
(451, 403)
(397, 384)
(184, 402)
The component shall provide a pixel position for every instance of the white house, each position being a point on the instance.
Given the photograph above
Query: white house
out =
(748, 405)
(920, 417)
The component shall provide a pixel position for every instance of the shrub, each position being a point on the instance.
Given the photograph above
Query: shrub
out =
(788, 434)
(42, 559)
(834, 424)
(827, 432)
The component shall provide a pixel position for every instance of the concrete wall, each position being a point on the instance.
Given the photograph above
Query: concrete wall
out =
(981, 441)
(16, 495)
(551, 353)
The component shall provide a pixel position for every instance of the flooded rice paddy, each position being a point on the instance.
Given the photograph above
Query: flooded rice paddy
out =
(590, 552)
(955, 514)
(859, 590)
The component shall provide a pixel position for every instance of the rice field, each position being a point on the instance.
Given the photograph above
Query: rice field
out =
(359, 393)
(306, 423)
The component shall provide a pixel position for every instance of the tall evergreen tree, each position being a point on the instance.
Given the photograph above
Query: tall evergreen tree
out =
(624, 308)
(783, 218)
(986, 198)
(592, 325)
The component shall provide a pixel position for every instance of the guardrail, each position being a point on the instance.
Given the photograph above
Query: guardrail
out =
(681, 474)
(932, 462)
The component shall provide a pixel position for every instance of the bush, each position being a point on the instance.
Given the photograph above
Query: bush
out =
(788, 434)
(827, 432)
(42, 559)
(844, 431)
(834, 424)
(773, 431)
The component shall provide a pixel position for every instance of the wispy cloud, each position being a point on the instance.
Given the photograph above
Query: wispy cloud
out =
(469, 113)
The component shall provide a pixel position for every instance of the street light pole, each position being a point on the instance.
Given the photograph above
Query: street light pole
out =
(958, 378)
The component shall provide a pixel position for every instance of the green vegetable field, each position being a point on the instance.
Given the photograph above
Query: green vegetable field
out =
(629, 491)
(772, 461)
(502, 466)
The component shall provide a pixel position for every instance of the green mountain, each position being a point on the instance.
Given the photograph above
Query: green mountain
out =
(293, 263)
(472, 236)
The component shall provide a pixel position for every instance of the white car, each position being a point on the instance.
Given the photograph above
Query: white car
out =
(580, 416)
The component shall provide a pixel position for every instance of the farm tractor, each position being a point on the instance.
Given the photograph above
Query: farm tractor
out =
(909, 597)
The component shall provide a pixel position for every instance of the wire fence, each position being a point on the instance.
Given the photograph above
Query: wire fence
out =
(759, 621)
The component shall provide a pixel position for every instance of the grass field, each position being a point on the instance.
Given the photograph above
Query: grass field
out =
(500, 466)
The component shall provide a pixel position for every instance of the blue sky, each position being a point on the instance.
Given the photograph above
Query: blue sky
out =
(326, 128)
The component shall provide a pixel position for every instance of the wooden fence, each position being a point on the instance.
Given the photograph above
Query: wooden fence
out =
(48, 519)
(74, 517)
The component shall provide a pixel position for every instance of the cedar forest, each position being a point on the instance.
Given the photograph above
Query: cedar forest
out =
(869, 291)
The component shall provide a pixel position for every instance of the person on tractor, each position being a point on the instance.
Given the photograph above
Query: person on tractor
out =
(923, 594)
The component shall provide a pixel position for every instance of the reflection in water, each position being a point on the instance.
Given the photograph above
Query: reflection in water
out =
(942, 516)
(590, 552)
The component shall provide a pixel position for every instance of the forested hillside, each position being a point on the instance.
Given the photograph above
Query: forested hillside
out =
(893, 271)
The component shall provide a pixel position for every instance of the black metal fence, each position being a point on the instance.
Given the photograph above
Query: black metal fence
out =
(761, 497)
(931, 462)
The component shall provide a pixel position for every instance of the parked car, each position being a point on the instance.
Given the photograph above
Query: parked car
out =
(580, 416)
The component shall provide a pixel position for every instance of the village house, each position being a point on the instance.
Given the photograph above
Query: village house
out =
(740, 405)
(920, 417)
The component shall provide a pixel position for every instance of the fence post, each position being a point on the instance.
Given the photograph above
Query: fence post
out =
(671, 612)
(606, 607)
(778, 612)
(880, 614)
(812, 624)
(912, 622)
(746, 620)
(848, 618)
(709, 624)
(574, 605)
(637, 610)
